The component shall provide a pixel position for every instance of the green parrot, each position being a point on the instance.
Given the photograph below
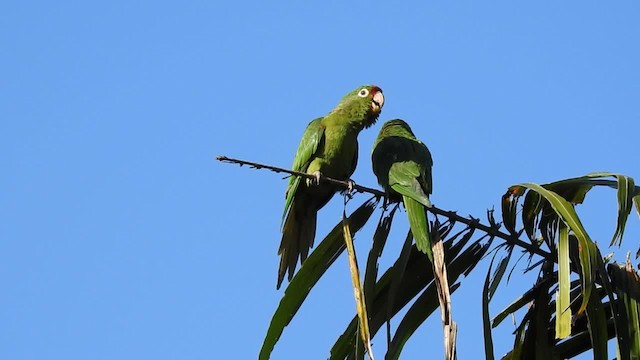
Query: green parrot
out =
(329, 147)
(402, 164)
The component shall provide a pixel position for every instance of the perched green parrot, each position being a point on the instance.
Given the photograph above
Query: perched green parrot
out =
(402, 164)
(329, 147)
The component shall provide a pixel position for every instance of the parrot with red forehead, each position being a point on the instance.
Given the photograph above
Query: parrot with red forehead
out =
(329, 147)
(402, 164)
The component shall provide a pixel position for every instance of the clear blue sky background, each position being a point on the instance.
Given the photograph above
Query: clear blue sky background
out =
(122, 238)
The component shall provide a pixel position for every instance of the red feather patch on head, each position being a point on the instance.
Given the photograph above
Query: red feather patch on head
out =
(374, 90)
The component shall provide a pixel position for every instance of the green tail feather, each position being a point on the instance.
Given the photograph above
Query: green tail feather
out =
(419, 225)
(298, 233)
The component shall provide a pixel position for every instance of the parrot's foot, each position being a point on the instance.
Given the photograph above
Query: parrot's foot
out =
(317, 177)
(351, 185)
(385, 202)
(349, 191)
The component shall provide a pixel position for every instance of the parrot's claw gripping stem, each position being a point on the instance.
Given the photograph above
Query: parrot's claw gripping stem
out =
(351, 185)
(348, 192)
(317, 177)
(385, 202)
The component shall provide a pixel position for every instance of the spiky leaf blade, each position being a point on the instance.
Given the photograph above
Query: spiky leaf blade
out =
(398, 273)
(449, 327)
(626, 284)
(516, 305)
(509, 205)
(309, 274)
(427, 302)
(587, 252)
(418, 275)
(597, 323)
(518, 343)
(379, 240)
(358, 292)
(531, 207)
(488, 338)
(626, 189)
(563, 295)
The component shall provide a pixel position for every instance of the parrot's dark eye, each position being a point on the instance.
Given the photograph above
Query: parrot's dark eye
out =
(363, 92)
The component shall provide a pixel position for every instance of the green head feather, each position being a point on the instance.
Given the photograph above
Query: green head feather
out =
(361, 107)
(395, 127)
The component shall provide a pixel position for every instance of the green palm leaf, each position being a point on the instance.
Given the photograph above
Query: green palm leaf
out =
(567, 214)
(428, 302)
(379, 240)
(417, 276)
(626, 283)
(490, 286)
(309, 274)
(563, 312)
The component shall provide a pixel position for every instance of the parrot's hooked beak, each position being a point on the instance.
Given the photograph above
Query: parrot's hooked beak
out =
(377, 101)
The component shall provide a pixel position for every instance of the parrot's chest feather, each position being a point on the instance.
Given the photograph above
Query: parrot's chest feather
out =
(337, 156)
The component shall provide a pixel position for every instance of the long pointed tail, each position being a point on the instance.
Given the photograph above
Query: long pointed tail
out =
(419, 226)
(297, 239)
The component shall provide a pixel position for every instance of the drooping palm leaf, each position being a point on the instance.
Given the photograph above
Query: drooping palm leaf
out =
(516, 305)
(518, 343)
(509, 205)
(536, 213)
(591, 329)
(418, 275)
(358, 292)
(532, 206)
(577, 344)
(625, 203)
(441, 280)
(379, 241)
(397, 276)
(418, 265)
(597, 322)
(309, 274)
(537, 338)
(567, 214)
(428, 302)
(626, 283)
(490, 285)
(563, 312)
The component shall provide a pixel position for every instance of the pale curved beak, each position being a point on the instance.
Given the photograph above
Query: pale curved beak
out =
(378, 101)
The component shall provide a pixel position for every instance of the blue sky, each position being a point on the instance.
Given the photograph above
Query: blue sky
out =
(122, 238)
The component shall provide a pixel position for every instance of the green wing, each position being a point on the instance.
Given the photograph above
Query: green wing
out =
(404, 178)
(426, 164)
(412, 177)
(311, 139)
(403, 164)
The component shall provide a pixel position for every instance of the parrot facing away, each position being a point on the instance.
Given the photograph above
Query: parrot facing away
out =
(329, 147)
(402, 164)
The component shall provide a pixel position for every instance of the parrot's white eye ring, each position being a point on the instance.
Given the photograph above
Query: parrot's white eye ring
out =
(363, 92)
